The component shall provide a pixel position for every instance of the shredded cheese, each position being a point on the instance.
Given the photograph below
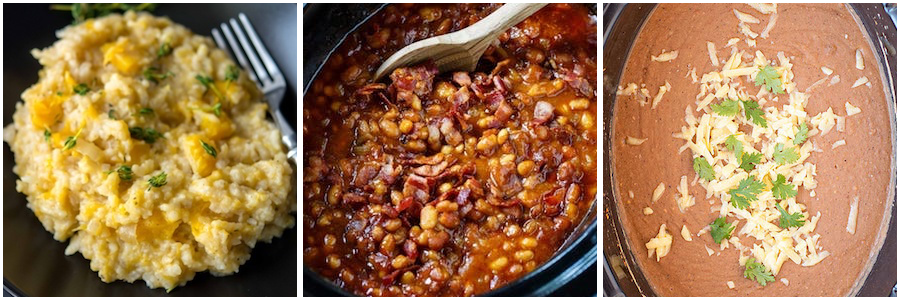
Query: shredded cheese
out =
(665, 56)
(730, 284)
(686, 199)
(685, 233)
(709, 252)
(785, 281)
(662, 91)
(648, 211)
(769, 26)
(658, 192)
(826, 70)
(764, 8)
(851, 218)
(838, 144)
(859, 60)
(634, 141)
(711, 48)
(851, 110)
(860, 81)
(661, 244)
(746, 18)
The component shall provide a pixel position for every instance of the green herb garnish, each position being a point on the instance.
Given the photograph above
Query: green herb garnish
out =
(125, 172)
(728, 108)
(232, 73)
(770, 77)
(210, 85)
(84, 11)
(756, 271)
(70, 142)
(801, 134)
(155, 74)
(111, 114)
(753, 113)
(145, 111)
(784, 155)
(209, 149)
(148, 135)
(81, 89)
(735, 145)
(164, 49)
(750, 160)
(704, 169)
(157, 181)
(47, 135)
(783, 190)
(746, 192)
(789, 220)
(720, 230)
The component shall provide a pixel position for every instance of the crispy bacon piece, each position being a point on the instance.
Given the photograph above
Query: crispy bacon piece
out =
(416, 79)
(462, 79)
(316, 169)
(431, 170)
(354, 198)
(388, 172)
(543, 112)
(500, 85)
(390, 278)
(552, 201)
(417, 187)
(502, 65)
(424, 160)
(451, 135)
(370, 89)
(364, 175)
(576, 80)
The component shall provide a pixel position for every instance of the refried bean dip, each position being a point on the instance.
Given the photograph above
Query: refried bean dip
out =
(799, 89)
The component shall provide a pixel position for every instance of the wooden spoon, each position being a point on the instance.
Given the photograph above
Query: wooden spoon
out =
(462, 49)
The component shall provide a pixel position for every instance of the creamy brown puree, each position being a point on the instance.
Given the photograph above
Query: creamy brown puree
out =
(812, 35)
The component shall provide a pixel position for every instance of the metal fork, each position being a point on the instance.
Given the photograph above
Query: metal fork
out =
(245, 46)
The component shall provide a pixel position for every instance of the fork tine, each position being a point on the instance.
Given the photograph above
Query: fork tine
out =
(220, 42)
(260, 48)
(238, 53)
(248, 50)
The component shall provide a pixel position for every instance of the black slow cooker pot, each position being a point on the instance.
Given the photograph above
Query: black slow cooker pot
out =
(571, 272)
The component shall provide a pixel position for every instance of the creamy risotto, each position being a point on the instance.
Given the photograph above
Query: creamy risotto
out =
(145, 147)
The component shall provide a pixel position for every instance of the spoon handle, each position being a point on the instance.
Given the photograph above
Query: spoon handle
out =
(502, 19)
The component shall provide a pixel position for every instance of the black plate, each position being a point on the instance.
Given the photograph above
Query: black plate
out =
(572, 271)
(34, 263)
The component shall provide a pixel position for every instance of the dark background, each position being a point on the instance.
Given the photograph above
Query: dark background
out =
(34, 263)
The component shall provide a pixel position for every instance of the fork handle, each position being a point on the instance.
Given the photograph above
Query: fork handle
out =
(288, 135)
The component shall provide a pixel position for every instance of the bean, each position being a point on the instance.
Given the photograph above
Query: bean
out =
(428, 217)
(499, 263)
(587, 121)
(445, 187)
(392, 224)
(528, 242)
(525, 167)
(333, 260)
(579, 104)
(502, 136)
(524, 255)
(401, 261)
(486, 144)
(334, 194)
(351, 73)
(449, 219)
(406, 126)
(512, 230)
(389, 128)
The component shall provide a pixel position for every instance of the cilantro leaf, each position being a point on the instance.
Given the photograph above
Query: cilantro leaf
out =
(756, 271)
(728, 108)
(47, 135)
(702, 167)
(750, 160)
(81, 89)
(789, 220)
(735, 145)
(720, 230)
(783, 190)
(753, 113)
(770, 77)
(746, 191)
(801, 134)
(784, 155)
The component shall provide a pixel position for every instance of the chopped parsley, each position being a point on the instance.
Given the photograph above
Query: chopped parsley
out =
(746, 192)
(789, 220)
(157, 181)
(111, 114)
(81, 89)
(783, 190)
(209, 149)
(232, 73)
(47, 135)
(148, 135)
(769, 76)
(720, 230)
(757, 272)
(801, 134)
(702, 167)
(750, 160)
(164, 49)
(728, 108)
(753, 113)
(784, 155)
(155, 75)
